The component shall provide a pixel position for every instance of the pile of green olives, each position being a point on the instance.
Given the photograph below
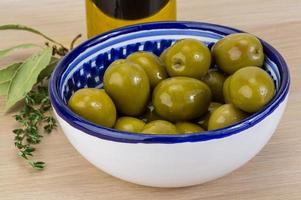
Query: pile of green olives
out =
(181, 91)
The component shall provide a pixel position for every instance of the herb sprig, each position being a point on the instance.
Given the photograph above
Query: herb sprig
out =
(33, 117)
(27, 81)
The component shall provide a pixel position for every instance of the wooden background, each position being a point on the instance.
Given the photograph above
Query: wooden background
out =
(275, 173)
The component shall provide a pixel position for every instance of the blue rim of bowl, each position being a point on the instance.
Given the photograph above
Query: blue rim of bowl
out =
(126, 137)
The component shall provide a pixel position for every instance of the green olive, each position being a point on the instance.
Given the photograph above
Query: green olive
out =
(236, 51)
(181, 98)
(226, 90)
(128, 85)
(215, 80)
(203, 121)
(188, 57)
(159, 127)
(224, 116)
(94, 105)
(163, 55)
(188, 127)
(250, 89)
(151, 64)
(129, 124)
(150, 114)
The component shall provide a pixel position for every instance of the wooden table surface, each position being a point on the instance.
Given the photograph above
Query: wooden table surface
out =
(275, 173)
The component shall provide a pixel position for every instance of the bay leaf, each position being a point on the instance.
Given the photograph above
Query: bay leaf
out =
(4, 52)
(4, 88)
(49, 69)
(26, 76)
(6, 75)
(26, 28)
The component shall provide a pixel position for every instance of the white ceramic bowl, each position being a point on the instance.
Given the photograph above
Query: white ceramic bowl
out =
(161, 160)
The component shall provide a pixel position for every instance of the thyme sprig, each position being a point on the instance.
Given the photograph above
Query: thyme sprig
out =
(35, 118)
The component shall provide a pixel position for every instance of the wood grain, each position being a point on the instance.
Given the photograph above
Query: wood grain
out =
(275, 173)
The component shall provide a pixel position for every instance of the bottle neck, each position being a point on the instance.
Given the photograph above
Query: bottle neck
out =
(130, 9)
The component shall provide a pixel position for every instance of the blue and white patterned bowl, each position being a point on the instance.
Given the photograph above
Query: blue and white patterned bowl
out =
(161, 160)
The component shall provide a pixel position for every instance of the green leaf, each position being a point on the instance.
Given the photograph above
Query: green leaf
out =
(26, 76)
(6, 75)
(4, 52)
(8, 72)
(48, 70)
(4, 88)
(37, 164)
(29, 29)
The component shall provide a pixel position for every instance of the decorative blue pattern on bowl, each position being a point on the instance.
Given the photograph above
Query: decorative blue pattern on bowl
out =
(85, 66)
